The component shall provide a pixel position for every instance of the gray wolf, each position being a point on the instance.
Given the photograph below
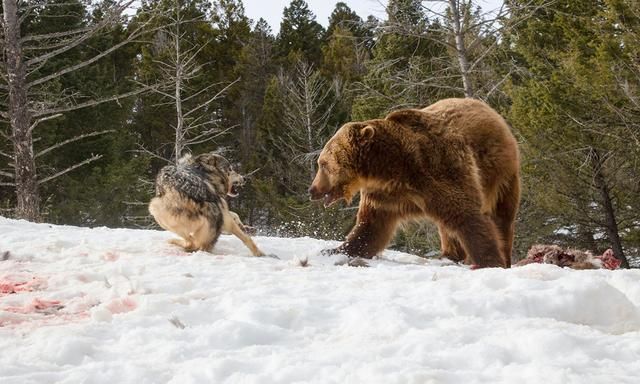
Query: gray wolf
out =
(191, 202)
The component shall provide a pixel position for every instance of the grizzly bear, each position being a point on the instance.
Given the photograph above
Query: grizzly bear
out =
(455, 162)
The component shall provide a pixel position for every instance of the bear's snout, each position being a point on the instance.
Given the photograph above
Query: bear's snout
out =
(315, 193)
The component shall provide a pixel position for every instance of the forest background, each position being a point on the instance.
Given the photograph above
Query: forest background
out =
(96, 96)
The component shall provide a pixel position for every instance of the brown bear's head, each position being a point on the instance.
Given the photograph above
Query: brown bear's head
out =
(337, 177)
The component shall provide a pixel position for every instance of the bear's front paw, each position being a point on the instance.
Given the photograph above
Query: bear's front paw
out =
(358, 262)
(331, 251)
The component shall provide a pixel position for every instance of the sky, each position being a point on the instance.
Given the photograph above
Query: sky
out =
(271, 10)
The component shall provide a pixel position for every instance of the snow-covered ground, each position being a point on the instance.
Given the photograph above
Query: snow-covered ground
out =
(80, 305)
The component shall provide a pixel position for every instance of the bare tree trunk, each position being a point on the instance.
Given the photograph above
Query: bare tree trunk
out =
(308, 110)
(179, 143)
(26, 182)
(461, 49)
(611, 225)
(308, 103)
(179, 140)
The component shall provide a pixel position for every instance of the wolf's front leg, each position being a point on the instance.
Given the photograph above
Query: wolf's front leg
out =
(230, 225)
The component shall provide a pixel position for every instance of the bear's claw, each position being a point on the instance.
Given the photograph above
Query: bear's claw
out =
(330, 251)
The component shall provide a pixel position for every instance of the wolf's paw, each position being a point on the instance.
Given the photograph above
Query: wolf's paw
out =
(176, 242)
(186, 246)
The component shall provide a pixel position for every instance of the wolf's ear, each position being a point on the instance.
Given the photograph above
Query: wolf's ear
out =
(185, 159)
(411, 118)
(206, 160)
(367, 133)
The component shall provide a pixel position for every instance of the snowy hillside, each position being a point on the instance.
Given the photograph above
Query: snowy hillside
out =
(81, 305)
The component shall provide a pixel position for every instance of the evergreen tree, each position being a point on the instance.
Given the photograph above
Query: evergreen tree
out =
(406, 60)
(300, 35)
(184, 26)
(97, 194)
(63, 59)
(345, 52)
(345, 18)
(578, 157)
(254, 68)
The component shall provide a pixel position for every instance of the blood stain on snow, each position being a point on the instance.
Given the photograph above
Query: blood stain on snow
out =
(110, 256)
(11, 284)
(176, 252)
(40, 312)
(124, 305)
(37, 306)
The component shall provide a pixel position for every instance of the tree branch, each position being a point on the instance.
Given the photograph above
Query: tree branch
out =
(216, 96)
(139, 31)
(71, 168)
(150, 153)
(117, 10)
(92, 103)
(43, 119)
(72, 140)
(55, 35)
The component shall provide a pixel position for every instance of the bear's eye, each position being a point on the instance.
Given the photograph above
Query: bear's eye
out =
(323, 165)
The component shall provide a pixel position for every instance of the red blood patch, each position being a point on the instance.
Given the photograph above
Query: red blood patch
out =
(122, 305)
(609, 260)
(111, 256)
(38, 306)
(15, 284)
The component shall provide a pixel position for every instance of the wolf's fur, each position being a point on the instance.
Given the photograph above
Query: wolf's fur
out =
(190, 202)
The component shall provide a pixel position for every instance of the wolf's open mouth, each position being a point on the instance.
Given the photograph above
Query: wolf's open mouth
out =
(233, 190)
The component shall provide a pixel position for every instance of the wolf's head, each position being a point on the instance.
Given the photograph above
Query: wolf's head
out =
(218, 170)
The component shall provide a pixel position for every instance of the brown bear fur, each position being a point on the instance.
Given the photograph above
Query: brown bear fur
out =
(455, 162)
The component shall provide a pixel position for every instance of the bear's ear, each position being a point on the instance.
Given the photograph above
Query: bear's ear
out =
(412, 118)
(367, 133)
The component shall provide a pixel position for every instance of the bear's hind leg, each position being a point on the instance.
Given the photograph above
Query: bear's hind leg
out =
(505, 216)
(450, 247)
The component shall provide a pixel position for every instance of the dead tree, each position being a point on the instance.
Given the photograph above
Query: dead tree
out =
(308, 105)
(466, 33)
(23, 64)
(471, 36)
(195, 121)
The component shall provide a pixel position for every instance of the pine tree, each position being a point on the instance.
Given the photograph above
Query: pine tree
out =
(577, 152)
(97, 194)
(345, 50)
(51, 47)
(345, 18)
(406, 61)
(300, 35)
(182, 57)
(254, 69)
